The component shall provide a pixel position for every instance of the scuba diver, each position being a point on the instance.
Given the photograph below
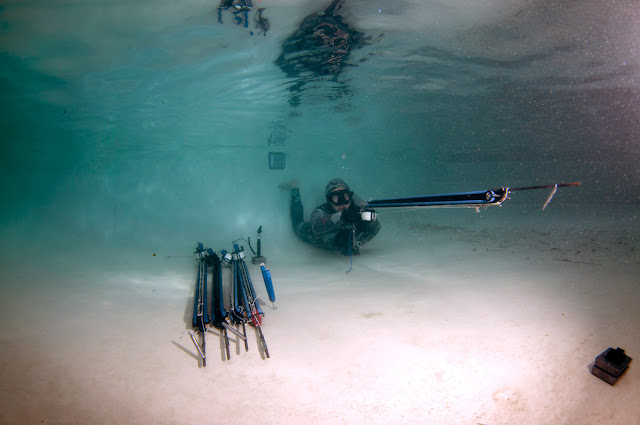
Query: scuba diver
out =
(336, 225)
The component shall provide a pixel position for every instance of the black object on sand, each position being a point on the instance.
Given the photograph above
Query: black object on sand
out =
(611, 365)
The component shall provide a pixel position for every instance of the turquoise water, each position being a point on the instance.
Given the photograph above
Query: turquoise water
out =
(122, 133)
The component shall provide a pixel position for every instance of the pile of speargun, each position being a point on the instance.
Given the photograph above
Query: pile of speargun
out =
(241, 306)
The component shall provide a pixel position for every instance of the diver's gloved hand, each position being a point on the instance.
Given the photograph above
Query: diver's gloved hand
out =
(352, 215)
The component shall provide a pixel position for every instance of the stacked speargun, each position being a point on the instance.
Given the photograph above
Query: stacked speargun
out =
(242, 304)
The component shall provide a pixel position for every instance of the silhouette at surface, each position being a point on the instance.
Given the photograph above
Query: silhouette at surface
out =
(320, 47)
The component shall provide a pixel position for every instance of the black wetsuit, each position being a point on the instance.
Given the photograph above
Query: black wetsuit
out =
(326, 228)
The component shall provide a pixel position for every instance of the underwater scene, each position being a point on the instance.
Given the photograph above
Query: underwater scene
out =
(320, 212)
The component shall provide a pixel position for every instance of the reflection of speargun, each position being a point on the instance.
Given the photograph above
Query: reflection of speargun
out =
(224, 5)
(241, 7)
(262, 22)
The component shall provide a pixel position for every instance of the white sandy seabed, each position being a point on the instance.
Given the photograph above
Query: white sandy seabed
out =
(435, 324)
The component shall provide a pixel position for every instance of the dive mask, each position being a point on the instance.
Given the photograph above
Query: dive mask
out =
(340, 197)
